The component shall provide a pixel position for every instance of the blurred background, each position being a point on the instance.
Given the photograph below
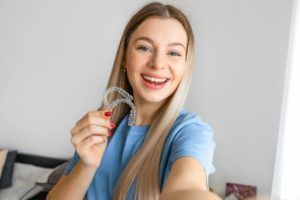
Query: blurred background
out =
(56, 56)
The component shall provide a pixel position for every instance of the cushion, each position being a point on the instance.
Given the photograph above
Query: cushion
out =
(24, 178)
(53, 177)
(39, 196)
(8, 168)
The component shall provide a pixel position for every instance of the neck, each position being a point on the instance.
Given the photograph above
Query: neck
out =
(146, 112)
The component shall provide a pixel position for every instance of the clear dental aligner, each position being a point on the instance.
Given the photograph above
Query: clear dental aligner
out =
(127, 98)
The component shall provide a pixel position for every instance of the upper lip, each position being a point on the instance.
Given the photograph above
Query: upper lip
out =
(155, 75)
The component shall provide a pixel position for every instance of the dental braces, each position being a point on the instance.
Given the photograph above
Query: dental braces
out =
(127, 98)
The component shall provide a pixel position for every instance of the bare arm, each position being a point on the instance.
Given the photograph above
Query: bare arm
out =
(187, 180)
(75, 185)
(89, 137)
(190, 195)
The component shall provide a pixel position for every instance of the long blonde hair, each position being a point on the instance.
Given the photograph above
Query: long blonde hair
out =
(144, 165)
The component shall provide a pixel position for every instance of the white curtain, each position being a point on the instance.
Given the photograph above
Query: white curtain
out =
(286, 182)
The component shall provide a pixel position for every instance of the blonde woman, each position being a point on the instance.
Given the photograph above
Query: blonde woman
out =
(168, 150)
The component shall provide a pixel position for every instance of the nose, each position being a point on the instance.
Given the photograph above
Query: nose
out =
(158, 61)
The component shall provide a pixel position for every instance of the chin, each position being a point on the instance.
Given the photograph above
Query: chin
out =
(155, 98)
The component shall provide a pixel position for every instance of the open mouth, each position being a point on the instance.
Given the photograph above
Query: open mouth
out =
(154, 80)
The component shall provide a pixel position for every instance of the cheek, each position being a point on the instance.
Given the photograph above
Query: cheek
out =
(128, 58)
(178, 72)
(133, 75)
(133, 60)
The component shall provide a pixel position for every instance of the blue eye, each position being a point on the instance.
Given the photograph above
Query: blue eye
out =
(174, 53)
(143, 48)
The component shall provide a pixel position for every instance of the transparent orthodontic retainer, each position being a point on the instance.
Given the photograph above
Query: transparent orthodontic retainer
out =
(126, 98)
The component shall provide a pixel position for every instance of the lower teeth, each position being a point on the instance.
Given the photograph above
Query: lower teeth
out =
(155, 83)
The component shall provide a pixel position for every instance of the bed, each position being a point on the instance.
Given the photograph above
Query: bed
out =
(31, 176)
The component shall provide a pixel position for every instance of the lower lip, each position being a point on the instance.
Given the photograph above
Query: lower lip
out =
(154, 86)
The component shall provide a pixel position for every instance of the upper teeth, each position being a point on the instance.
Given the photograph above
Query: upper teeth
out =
(156, 80)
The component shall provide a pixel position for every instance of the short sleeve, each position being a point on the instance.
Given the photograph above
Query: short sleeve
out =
(71, 164)
(195, 140)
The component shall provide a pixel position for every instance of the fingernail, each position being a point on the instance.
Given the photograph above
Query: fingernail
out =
(109, 134)
(108, 113)
(113, 125)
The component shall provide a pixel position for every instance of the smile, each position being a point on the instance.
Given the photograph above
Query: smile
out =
(154, 82)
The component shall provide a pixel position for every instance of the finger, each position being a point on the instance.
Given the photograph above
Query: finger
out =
(96, 121)
(92, 119)
(106, 113)
(90, 141)
(89, 131)
(87, 115)
(103, 114)
(90, 115)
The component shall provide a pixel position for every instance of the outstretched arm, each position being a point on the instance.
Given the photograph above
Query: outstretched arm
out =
(187, 180)
(75, 185)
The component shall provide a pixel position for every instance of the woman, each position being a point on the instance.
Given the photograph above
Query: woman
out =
(168, 150)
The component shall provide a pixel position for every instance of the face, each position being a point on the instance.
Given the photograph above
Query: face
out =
(155, 59)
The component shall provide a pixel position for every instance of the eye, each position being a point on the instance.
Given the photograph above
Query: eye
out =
(144, 48)
(174, 53)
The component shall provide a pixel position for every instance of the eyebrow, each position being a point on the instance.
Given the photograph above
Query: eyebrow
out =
(152, 42)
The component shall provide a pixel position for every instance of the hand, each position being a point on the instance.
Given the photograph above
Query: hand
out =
(89, 137)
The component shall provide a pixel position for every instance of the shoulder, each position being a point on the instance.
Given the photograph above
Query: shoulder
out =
(192, 137)
(192, 122)
(190, 128)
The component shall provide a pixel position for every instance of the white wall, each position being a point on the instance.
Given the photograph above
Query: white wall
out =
(242, 54)
(55, 58)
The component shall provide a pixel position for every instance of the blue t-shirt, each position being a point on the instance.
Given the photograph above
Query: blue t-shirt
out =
(189, 136)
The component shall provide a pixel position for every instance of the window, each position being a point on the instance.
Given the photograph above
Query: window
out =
(287, 168)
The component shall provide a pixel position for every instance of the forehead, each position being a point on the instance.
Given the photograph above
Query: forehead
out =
(162, 31)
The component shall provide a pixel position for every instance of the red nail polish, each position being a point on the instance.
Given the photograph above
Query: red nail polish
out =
(108, 113)
(112, 125)
(109, 134)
